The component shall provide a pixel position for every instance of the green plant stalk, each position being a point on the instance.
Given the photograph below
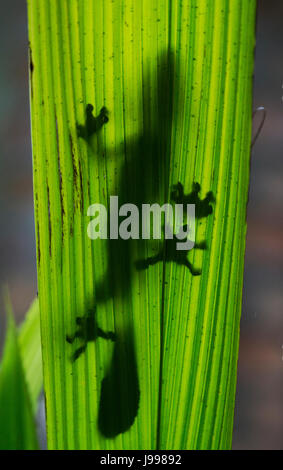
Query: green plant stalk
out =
(185, 328)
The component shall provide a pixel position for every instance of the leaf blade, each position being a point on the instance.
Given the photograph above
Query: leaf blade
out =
(17, 425)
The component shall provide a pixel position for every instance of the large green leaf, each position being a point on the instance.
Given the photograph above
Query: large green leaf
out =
(17, 423)
(176, 79)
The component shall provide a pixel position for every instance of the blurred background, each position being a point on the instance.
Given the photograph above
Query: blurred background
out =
(259, 400)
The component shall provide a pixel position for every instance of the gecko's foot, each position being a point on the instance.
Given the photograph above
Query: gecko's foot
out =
(210, 197)
(77, 353)
(195, 272)
(111, 336)
(69, 339)
(104, 115)
(201, 245)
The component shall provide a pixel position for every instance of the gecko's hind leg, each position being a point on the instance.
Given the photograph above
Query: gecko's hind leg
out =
(141, 264)
(106, 334)
(71, 338)
(145, 263)
(201, 245)
(156, 259)
(78, 352)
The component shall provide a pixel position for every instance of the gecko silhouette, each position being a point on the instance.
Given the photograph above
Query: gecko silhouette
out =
(143, 177)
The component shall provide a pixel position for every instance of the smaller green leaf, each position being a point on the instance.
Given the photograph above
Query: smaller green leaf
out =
(17, 425)
(30, 347)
